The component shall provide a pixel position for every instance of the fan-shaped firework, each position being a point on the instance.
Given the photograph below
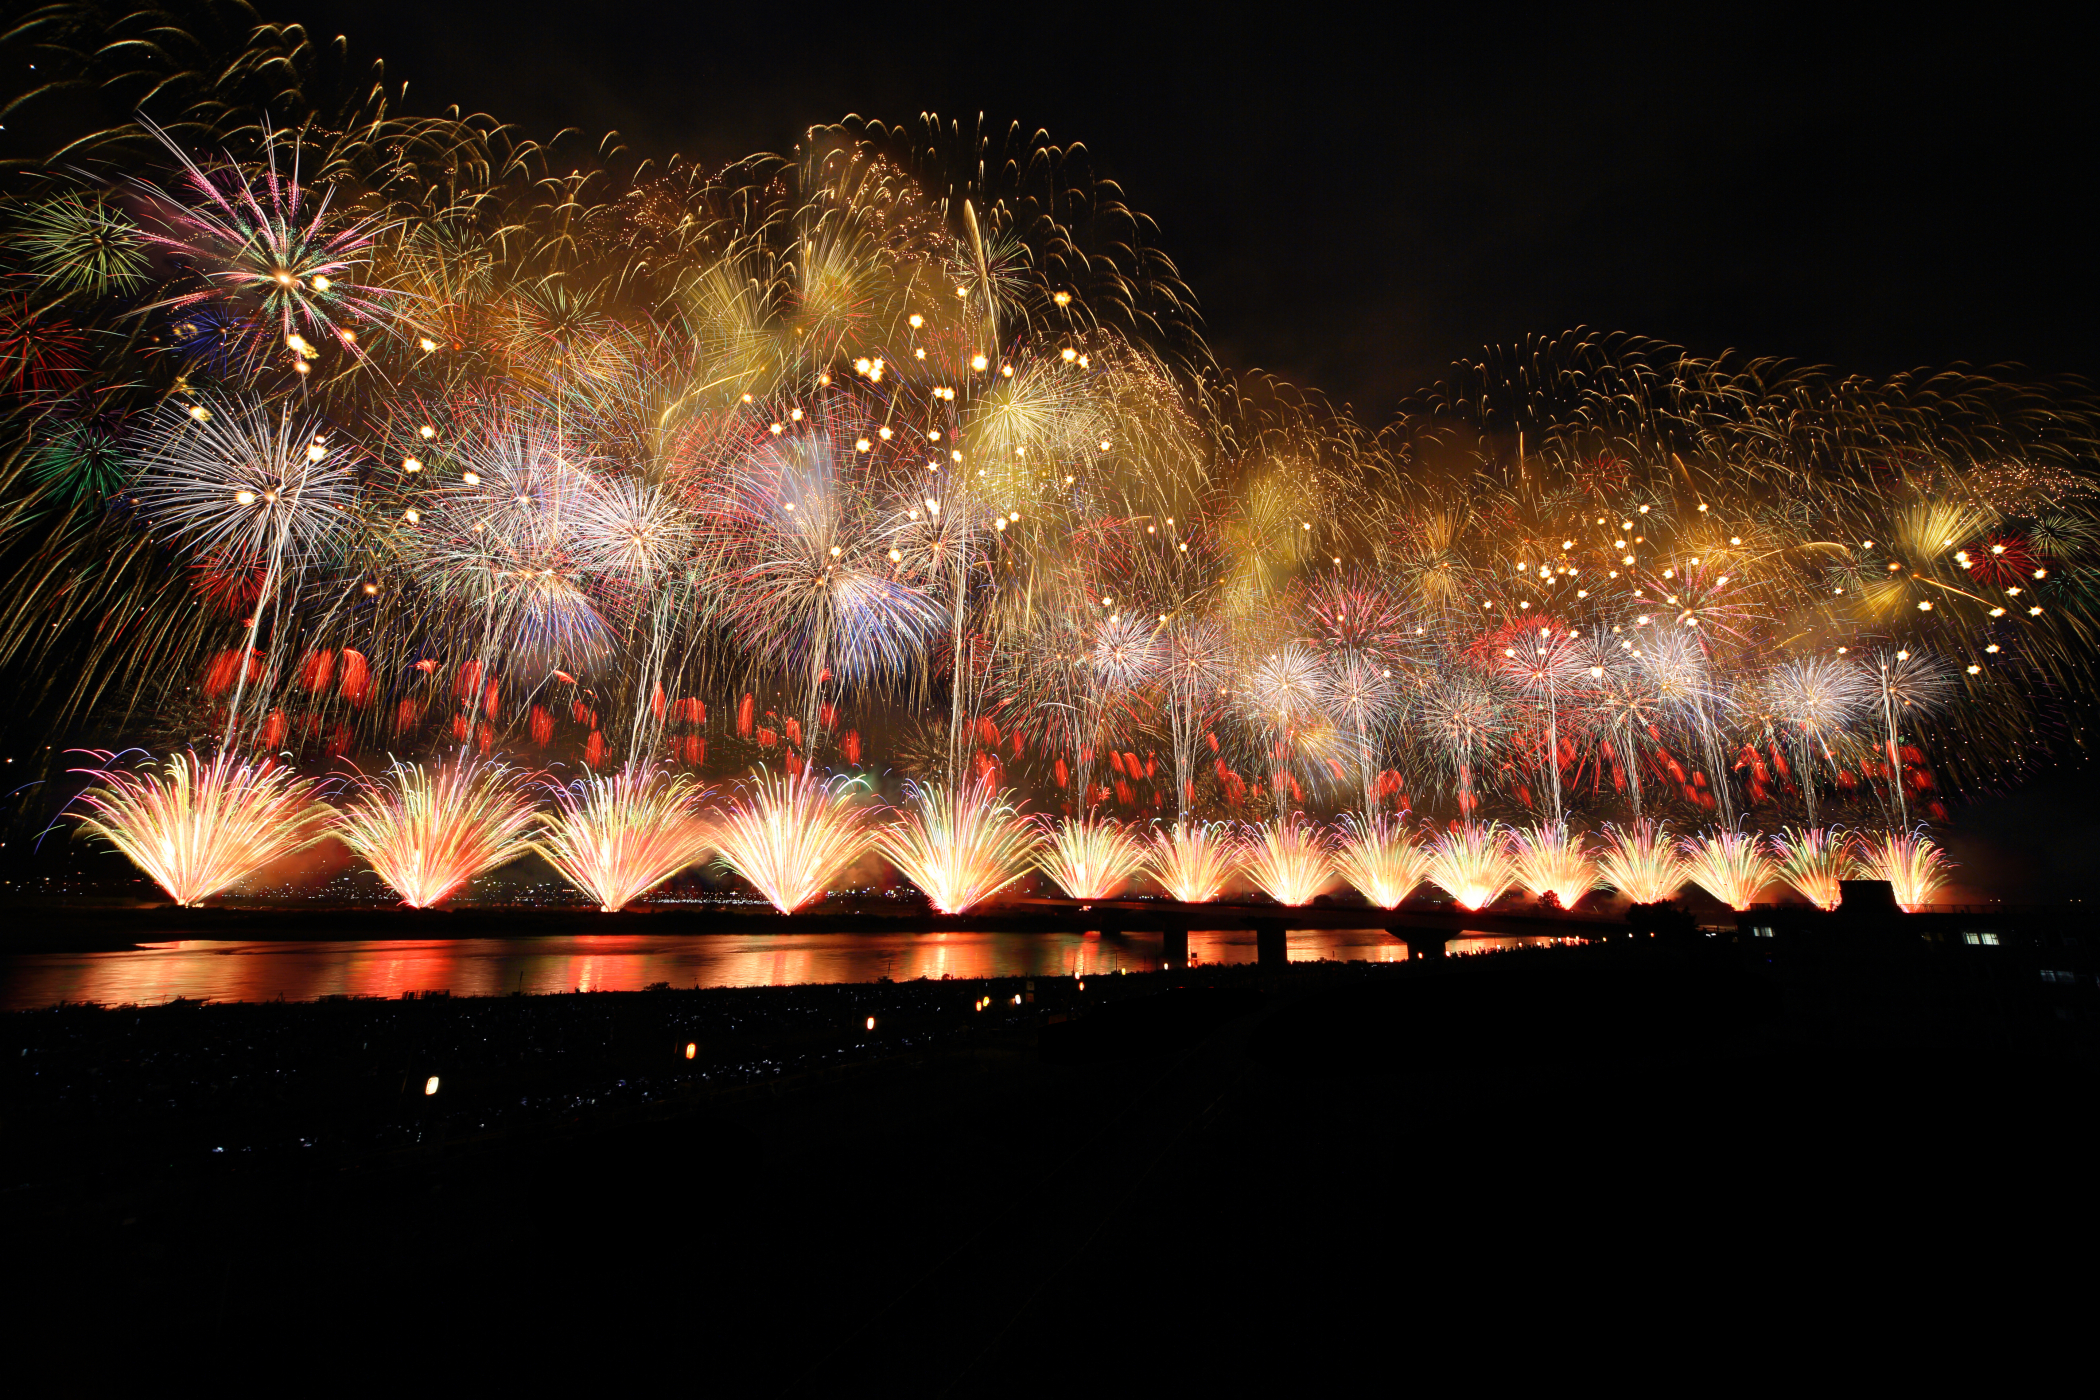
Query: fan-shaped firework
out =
(1913, 865)
(1473, 863)
(1193, 863)
(1642, 862)
(959, 845)
(1815, 861)
(1291, 862)
(1090, 858)
(1732, 866)
(427, 833)
(1552, 860)
(1381, 858)
(619, 836)
(199, 825)
(791, 836)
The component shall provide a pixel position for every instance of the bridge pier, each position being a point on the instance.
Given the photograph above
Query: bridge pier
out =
(1272, 947)
(1174, 951)
(1421, 942)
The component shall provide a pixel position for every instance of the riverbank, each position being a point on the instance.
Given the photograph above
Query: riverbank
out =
(936, 1203)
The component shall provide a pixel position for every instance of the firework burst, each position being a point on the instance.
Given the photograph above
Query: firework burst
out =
(200, 826)
(570, 454)
(1193, 863)
(1473, 863)
(1090, 858)
(619, 836)
(960, 845)
(427, 832)
(1381, 858)
(791, 835)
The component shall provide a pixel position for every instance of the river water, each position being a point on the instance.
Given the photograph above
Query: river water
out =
(303, 971)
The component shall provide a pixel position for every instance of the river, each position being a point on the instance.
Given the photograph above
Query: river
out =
(205, 970)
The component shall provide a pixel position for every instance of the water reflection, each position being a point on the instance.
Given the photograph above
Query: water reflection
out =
(304, 971)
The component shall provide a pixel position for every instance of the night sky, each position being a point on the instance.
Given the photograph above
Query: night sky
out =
(1357, 202)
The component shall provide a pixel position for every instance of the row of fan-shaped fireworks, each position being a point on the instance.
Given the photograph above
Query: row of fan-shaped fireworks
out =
(859, 446)
(199, 827)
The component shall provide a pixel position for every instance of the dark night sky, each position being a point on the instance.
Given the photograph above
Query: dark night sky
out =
(1356, 202)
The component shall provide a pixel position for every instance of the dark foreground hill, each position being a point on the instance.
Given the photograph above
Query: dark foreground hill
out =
(1323, 1178)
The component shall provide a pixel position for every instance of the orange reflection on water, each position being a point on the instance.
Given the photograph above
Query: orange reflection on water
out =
(204, 970)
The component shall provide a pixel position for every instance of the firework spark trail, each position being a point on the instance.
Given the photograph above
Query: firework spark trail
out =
(1193, 862)
(1552, 860)
(790, 836)
(1732, 866)
(1381, 858)
(1090, 858)
(959, 845)
(233, 481)
(1642, 862)
(427, 833)
(745, 438)
(1291, 862)
(1815, 861)
(1542, 661)
(1915, 867)
(618, 836)
(199, 826)
(1468, 725)
(280, 272)
(1912, 684)
(1473, 863)
(1818, 699)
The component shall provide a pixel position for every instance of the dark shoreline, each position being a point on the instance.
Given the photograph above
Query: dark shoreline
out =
(1174, 1147)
